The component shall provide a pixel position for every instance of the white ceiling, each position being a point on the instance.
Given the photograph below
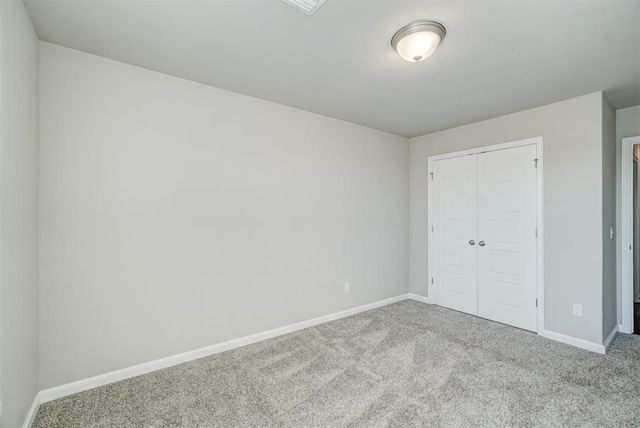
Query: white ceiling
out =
(498, 57)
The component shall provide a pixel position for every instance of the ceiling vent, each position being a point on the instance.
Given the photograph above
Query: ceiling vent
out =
(307, 6)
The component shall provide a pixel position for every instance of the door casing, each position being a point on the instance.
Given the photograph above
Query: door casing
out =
(538, 142)
(625, 238)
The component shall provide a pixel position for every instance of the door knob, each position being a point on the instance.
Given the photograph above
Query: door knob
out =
(472, 242)
(481, 243)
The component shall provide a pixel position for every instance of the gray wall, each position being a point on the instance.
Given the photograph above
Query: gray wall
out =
(627, 125)
(609, 311)
(572, 132)
(170, 210)
(18, 212)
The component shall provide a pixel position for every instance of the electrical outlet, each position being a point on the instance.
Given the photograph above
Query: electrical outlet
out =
(347, 287)
(577, 310)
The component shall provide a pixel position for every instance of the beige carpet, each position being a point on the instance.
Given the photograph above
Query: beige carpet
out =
(407, 364)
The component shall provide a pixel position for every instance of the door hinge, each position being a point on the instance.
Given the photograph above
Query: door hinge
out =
(535, 162)
(431, 175)
(431, 228)
(536, 303)
(536, 233)
(431, 281)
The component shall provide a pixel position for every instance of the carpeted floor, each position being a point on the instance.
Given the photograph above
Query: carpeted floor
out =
(406, 364)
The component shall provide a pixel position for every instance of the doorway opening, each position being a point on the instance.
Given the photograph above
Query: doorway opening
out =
(636, 238)
(629, 237)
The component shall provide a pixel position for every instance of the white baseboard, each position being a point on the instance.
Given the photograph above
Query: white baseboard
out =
(611, 336)
(584, 344)
(140, 369)
(31, 415)
(574, 341)
(418, 297)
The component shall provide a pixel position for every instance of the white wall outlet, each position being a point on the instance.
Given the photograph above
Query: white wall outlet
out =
(347, 287)
(577, 310)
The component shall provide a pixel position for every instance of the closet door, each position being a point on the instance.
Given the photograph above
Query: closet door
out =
(454, 250)
(507, 210)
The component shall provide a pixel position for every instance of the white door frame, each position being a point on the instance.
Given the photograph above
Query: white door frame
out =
(537, 141)
(625, 243)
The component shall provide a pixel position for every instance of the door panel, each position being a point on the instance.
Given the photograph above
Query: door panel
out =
(454, 211)
(507, 211)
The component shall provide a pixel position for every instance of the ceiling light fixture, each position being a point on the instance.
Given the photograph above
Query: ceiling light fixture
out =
(419, 40)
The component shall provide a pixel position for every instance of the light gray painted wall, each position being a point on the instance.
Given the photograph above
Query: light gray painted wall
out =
(609, 311)
(171, 210)
(627, 125)
(18, 212)
(572, 132)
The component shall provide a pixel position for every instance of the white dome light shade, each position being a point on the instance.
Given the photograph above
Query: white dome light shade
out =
(418, 46)
(418, 41)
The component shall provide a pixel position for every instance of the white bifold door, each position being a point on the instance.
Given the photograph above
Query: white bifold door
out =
(483, 256)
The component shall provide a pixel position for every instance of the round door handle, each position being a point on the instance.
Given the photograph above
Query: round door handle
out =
(481, 243)
(472, 242)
